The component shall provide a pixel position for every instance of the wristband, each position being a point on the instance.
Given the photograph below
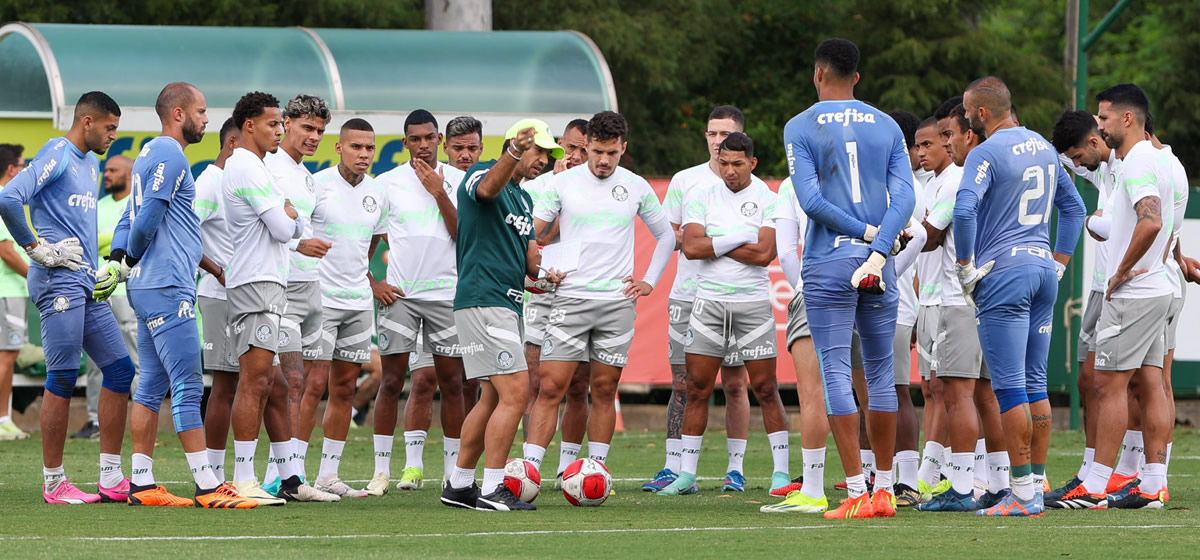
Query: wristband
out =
(510, 154)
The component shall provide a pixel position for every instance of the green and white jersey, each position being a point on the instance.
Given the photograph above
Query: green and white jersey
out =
(108, 214)
(11, 283)
(249, 192)
(298, 185)
(700, 176)
(493, 238)
(722, 212)
(597, 214)
(347, 216)
(213, 235)
(935, 269)
(1179, 181)
(1145, 172)
(421, 257)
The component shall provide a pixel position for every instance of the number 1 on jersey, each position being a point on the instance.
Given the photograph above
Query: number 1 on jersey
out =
(855, 188)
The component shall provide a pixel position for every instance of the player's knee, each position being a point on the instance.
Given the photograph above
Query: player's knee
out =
(391, 386)
(342, 391)
(577, 392)
(766, 388)
(61, 383)
(424, 384)
(149, 397)
(552, 387)
(604, 389)
(185, 404)
(118, 376)
(1011, 398)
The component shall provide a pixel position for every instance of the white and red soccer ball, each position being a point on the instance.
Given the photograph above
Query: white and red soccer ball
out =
(586, 482)
(522, 479)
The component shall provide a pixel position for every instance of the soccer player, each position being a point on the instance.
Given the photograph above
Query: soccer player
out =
(418, 297)
(261, 222)
(722, 121)
(14, 295)
(1077, 139)
(60, 186)
(1006, 228)
(844, 197)
(496, 255)
(1130, 341)
(592, 315)
(304, 121)
(350, 209)
(156, 246)
(463, 146)
(218, 348)
(730, 229)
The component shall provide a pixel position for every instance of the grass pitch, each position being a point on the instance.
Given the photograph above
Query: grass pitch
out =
(632, 524)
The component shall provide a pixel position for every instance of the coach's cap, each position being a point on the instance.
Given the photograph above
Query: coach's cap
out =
(541, 136)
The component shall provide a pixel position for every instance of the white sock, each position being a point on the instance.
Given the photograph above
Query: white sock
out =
(450, 447)
(216, 458)
(737, 453)
(143, 470)
(779, 450)
(1168, 463)
(1097, 478)
(980, 469)
(202, 470)
(931, 463)
(461, 478)
(1023, 487)
(331, 457)
(534, 454)
(492, 479)
(997, 471)
(243, 460)
(690, 451)
(272, 464)
(962, 469)
(51, 477)
(867, 458)
(414, 449)
(674, 454)
(1154, 478)
(1132, 452)
(110, 470)
(353, 412)
(856, 485)
(383, 454)
(5, 418)
(567, 454)
(282, 452)
(884, 480)
(814, 472)
(946, 462)
(1089, 454)
(598, 451)
(300, 449)
(906, 468)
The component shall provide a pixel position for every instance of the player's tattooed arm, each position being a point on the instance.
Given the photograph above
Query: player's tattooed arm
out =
(1145, 230)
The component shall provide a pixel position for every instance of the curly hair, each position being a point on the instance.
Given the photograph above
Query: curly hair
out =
(607, 125)
(251, 106)
(306, 105)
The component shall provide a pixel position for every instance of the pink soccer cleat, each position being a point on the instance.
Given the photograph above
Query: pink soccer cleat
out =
(116, 494)
(67, 493)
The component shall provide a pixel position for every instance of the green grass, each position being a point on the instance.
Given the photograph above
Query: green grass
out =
(630, 524)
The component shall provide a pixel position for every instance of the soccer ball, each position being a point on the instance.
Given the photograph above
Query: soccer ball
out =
(522, 479)
(586, 482)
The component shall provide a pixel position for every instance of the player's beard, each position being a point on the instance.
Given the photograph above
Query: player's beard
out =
(192, 132)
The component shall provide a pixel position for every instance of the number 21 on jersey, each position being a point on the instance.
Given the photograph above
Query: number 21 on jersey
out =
(1037, 175)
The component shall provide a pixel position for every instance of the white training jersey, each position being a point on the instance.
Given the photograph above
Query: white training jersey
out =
(684, 286)
(921, 177)
(721, 212)
(597, 214)
(249, 191)
(939, 281)
(213, 236)
(1179, 183)
(906, 313)
(297, 184)
(1103, 178)
(538, 189)
(347, 216)
(421, 253)
(788, 208)
(1145, 172)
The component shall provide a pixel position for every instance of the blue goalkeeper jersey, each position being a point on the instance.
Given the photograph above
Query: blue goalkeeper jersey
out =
(850, 168)
(60, 186)
(162, 175)
(1009, 185)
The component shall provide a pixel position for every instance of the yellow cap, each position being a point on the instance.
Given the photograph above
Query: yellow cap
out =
(541, 136)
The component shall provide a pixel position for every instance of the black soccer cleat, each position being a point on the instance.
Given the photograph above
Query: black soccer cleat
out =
(502, 500)
(464, 498)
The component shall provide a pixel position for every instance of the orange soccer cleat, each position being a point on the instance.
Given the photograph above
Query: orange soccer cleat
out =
(224, 496)
(854, 508)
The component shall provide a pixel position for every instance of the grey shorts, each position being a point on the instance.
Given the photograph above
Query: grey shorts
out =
(927, 331)
(957, 350)
(1132, 333)
(1173, 321)
(300, 326)
(420, 358)
(217, 350)
(537, 312)
(1087, 329)
(679, 314)
(797, 320)
(403, 322)
(719, 329)
(902, 353)
(346, 335)
(491, 341)
(254, 313)
(580, 330)
(13, 329)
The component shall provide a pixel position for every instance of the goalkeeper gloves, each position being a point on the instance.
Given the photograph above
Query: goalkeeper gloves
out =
(869, 277)
(67, 253)
(970, 276)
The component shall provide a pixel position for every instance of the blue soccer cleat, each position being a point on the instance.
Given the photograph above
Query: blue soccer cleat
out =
(950, 501)
(1010, 506)
(734, 482)
(660, 481)
(682, 485)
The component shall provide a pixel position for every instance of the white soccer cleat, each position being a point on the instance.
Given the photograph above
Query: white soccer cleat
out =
(378, 486)
(252, 490)
(334, 485)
